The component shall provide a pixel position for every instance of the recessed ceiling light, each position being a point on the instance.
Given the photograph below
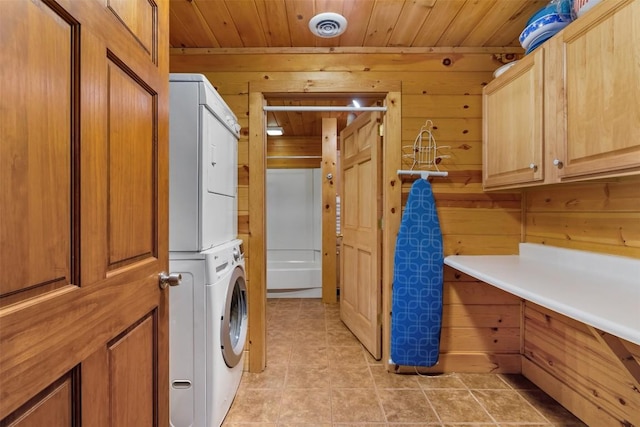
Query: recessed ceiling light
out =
(275, 131)
(328, 24)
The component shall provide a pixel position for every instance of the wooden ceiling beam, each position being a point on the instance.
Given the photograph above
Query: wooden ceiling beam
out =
(341, 50)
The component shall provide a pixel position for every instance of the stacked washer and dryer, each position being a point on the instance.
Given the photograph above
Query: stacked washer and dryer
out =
(208, 311)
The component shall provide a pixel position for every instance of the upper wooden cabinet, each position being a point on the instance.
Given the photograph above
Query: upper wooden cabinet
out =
(572, 106)
(513, 125)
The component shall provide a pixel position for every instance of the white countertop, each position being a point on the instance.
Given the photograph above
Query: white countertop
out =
(600, 290)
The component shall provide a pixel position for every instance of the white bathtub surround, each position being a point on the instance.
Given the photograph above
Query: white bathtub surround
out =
(294, 234)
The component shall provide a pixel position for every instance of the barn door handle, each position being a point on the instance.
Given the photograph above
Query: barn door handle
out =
(172, 279)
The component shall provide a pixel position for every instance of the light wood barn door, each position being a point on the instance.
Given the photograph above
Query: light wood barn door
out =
(361, 212)
(83, 213)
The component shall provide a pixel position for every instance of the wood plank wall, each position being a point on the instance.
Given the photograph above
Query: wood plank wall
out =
(481, 324)
(480, 331)
(294, 152)
(446, 89)
(561, 355)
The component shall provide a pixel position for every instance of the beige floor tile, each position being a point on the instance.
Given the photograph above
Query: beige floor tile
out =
(355, 405)
(427, 424)
(318, 375)
(283, 337)
(288, 302)
(226, 424)
(384, 379)
(351, 376)
(360, 425)
(278, 354)
(407, 406)
(530, 425)
(346, 355)
(518, 382)
(550, 409)
(309, 324)
(272, 377)
(457, 406)
(277, 323)
(340, 337)
(371, 360)
(448, 381)
(304, 425)
(311, 303)
(478, 425)
(507, 406)
(311, 337)
(255, 406)
(334, 323)
(483, 381)
(313, 313)
(332, 309)
(309, 355)
(284, 307)
(307, 376)
(305, 406)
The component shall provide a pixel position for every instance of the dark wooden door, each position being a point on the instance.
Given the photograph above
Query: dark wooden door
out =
(83, 212)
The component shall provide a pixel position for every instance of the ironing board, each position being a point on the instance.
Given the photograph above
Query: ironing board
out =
(416, 309)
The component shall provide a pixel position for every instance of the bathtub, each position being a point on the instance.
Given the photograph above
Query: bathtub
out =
(294, 279)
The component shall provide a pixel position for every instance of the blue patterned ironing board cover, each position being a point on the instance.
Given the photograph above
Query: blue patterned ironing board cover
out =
(416, 309)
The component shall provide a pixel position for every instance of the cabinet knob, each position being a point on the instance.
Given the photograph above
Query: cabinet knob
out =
(533, 166)
(557, 163)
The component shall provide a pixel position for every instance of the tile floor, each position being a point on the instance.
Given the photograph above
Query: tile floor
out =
(318, 374)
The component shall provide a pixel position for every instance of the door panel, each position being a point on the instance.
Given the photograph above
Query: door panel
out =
(131, 167)
(36, 147)
(132, 375)
(137, 16)
(84, 219)
(57, 403)
(360, 278)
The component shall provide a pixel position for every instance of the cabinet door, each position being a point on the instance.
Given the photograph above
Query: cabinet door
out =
(513, 138)
(602, 99)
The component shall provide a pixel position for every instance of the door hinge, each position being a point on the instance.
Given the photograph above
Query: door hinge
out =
(381, 223)
(381, 129)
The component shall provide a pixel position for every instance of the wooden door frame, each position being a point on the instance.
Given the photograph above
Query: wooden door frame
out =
(392, 189)
(328, 198)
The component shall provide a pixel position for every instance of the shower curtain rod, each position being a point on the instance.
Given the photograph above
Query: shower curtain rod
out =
(319, 108)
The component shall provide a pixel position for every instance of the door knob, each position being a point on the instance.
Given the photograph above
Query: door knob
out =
(172, 279)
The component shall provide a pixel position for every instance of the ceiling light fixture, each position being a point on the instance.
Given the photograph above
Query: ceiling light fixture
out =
(275, 131)
(356, 103)
(328, 24)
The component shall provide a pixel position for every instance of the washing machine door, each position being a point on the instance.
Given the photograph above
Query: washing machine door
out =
(234, 322)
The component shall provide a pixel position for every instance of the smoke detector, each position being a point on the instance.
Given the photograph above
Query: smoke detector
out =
(328, 24)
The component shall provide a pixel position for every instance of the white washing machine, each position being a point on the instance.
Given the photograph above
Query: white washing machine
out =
(208, 329)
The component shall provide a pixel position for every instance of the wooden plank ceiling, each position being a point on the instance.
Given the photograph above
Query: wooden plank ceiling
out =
(236, 24)
(373, 26)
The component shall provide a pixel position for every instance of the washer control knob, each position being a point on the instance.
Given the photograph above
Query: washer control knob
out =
(236, 254)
